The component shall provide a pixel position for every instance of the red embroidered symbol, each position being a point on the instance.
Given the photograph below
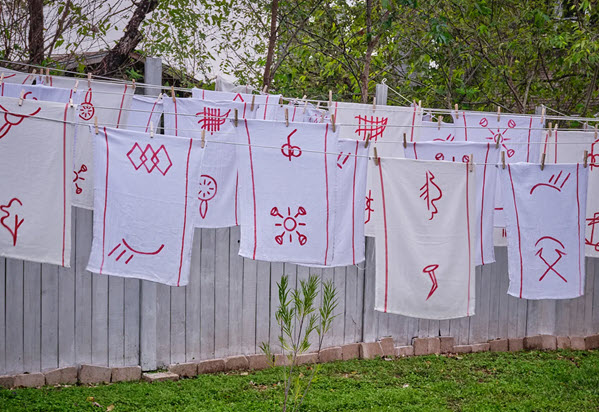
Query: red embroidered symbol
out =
(207, 192)
(594, 155)
(449, 138)
(499, 134)
(78, 177)
(126, 247)
(593, 222)
(441, 156)
(289, 150)
(373, 125)
(430, 269)
(13, 119)
(86, 109)
(427, 191)
(369, 209)
(553, 183)
(159, 159)
(238, 96)
(12, 228)
(551, 266)
(290, 224)
(342, 160)
(211, 119)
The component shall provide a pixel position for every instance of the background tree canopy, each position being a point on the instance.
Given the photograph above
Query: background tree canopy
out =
(478, 54)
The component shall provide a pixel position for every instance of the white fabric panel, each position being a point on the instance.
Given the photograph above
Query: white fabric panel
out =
(38, 92)
(13, 76)
(145, 112)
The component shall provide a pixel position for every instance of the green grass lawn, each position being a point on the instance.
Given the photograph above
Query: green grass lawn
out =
(527, 381)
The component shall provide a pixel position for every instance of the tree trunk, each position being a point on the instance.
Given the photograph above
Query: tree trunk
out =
(36, 31)
(272, 40)
(368, 57)
(120, 52)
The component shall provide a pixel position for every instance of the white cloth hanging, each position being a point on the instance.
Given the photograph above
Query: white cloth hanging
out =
(143, 227)
(287, 189)
(486, 179)
(263, 102)
(13, 76)
(38, 92)
(425, 247)
(565, 146)
(433, 132)
(35, 172)
(386, 126)
(545, 215)
(519, 136)
(145, 112)
(217, 186)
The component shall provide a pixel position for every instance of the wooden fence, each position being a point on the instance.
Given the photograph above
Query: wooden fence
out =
(53, 317)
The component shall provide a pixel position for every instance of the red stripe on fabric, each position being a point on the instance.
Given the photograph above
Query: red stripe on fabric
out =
(414, 147)
(509, 169)
(528, 145)
(151, 113)
(482, 206)
(244, 108)
(326, 179)
(353, 207)
(236, 190)
(579, 245)
(118, 122)
(465, 126)
(105, 200)
(64, 181)
(468, 229)
(386, 244)
(185, 210)
(293, 117)
(253, 184)
(26, 78)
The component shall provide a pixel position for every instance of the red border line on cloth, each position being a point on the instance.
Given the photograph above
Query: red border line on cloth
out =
(579, 245)
(236, 191)
(64, 181)
(386, 239)
(253, 184)
(509, 169)
(482, 206)
(185, 209)
(528, 145)
(118, 122)
(468, 229)
(353, 207)
(151, 114)
(326, 179)
(415, 154)
(465, 127)
(105, 200)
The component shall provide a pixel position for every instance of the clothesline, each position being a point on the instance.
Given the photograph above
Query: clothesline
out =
(431, 110)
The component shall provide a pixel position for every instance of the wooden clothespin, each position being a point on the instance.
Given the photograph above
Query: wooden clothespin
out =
(497, 140)
(595, 132)
(330, 99)
(203, 141)
(305, 106)
(173, 94)
(287, 117)
(151, 130)
(543, 161)
(376, 157)
(498, 113)
(405, 141)
(47, 75)
(96, 124)
(281, 100)
(367, 140)
(34, 72)
(89, 80)
(543, 111)
(439, 120)
(236, 120)
(21, 97)
(1, 77)
(419, 104)
(71, 105)
(585, 160)
(76, 85)
(333, 122)
(550, 128)
(253, 101)
(457, 113)
(471, 162)
(264, 89)
(374, 103)
(585, 126)
(503, 160)
(133, 84)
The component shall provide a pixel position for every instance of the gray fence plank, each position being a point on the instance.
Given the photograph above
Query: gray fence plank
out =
(132, 319)
(207, 275)
(163, 325)
(116, 321)
(83, 286)
(588, 297)
(248, 320)
(2, 315)
(32, 286)
(262, 304)
(193, 302)
(99, 319)
(178, 320)
(14, 315)
(221, 293)
(66, 307)
(235, 292)
(369, 318)
(49, 334)
(350, 315)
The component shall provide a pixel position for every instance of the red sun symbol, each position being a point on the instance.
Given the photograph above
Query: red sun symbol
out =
(290, 224)
(208, 188)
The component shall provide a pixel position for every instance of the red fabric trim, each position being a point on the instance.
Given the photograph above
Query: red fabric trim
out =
(415, 154)
(579, 245)
(253, 185)
(386, 239)
(482, 206)
(326, 178)
(151, 113)
(236, 190)
(64, 181)
(468, 229)
(353, 207)
(185, 210)
(509, 169)
(528, 145)
(105, 200)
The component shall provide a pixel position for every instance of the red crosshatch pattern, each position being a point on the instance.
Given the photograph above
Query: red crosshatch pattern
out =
(369, 208)
(554, 183)
(158, 159)
(430, 269)
(291, 224)
(211, 119)
(484, 122)
(10, 225)
(593, 240)
(427, 192)
(288, 150)
(13, 119)
(123, 247)
(208, 189)
(373, 125)
(558, 255)
(78, 177)
(86, 109)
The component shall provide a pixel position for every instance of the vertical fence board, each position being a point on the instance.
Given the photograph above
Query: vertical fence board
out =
(248, 322)
(66, 306)
(49, 316)
(207, 293)
(32, 286)
(83, 286)
(14, 315)
(235, 292)
(163, 325)
(99, 319)
(193, 302)
(221, 293)
(131, 324)
(350, 313)
(369, 318)
(263, 308)
(2, 315)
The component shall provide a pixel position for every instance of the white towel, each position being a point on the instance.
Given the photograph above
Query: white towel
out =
(294, 113)
(216, 189)
(565, 146)
(143, 227)
(486, 179)
(145, 112)
(425, 247)
(12, 76)
(263, 102)
(35, 174)
(38, 92)
(433, 132)
(545, 214)
(287, 191)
